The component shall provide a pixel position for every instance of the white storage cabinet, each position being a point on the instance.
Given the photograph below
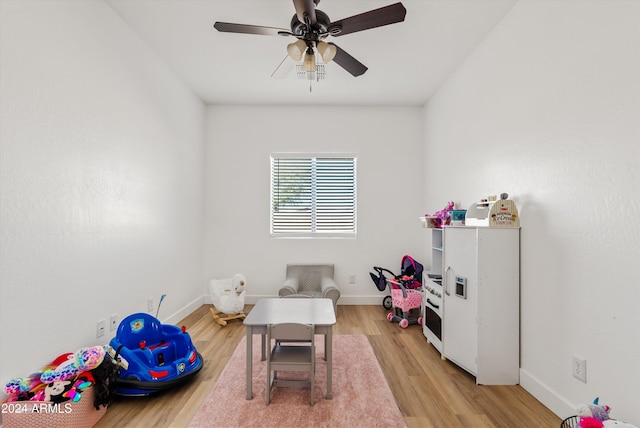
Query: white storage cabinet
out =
(481, 281)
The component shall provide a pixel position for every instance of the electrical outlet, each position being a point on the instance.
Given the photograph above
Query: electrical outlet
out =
(150, 304)
(352, 278)
(579, 368)
(113, 322)
(100, 328)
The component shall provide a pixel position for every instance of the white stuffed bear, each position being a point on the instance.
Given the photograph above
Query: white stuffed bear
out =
(228, 294)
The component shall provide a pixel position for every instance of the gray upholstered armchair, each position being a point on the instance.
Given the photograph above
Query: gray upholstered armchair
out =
(311, 281)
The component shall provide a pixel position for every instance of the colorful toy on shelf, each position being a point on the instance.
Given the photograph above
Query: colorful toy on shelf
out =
(439, 218)
(152, 356)
(444, 215)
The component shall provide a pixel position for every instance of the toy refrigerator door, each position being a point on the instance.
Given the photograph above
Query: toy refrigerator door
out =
(460, 335)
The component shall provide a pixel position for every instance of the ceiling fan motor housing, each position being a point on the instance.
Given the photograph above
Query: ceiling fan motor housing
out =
(314, 32)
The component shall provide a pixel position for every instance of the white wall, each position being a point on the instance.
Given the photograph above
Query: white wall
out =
(548, 110)
(101, 186)
(388, 143)
(101, 180)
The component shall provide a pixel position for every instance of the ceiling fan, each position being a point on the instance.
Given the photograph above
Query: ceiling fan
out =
(312, 26)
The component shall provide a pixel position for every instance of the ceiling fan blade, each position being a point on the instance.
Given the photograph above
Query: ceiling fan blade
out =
(349, 63)
(305, 6)
(284, 68)
(374, 18)
(228, 27)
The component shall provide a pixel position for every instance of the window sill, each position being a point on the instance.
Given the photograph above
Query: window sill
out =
(313, 235)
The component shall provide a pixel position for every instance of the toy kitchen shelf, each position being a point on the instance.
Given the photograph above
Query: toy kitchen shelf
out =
(490, 212)
(471, 305)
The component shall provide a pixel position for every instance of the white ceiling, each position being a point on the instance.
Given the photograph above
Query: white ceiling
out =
(407, 61)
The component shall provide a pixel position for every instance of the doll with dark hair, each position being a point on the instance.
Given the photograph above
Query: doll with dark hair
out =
(105, 376)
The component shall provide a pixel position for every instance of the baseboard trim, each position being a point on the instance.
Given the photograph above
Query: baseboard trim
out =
(344, 300)
(551, 399)
(183, 312)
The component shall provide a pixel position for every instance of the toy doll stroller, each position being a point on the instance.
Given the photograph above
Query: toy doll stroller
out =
(405, 293)
(404, 299)
(381, 282)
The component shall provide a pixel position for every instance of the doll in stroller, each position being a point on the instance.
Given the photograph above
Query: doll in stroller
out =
(405, 291)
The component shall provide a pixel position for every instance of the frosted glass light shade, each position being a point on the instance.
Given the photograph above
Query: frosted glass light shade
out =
(309, 63)
(327, 52)
(296, 50)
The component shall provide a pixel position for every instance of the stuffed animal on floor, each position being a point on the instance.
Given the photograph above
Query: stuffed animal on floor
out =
(228, 294)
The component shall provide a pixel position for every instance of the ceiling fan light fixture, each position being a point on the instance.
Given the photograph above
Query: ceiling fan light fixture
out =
(327, 51)
(296, 50)
(309, 63)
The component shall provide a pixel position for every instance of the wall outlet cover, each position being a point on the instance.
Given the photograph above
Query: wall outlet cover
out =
(113, 322)
(100, 328)
(579, 368)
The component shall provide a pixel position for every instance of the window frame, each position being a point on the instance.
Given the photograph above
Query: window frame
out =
(312, 234)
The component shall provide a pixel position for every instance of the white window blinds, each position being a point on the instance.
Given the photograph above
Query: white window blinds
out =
(313, 196)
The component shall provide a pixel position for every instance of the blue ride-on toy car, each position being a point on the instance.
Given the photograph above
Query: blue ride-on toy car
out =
(152, 356)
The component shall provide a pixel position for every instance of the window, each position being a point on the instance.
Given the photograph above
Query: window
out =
(313, 196)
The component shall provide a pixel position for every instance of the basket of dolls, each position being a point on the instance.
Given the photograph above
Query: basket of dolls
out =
(47, 414)
(71, 391)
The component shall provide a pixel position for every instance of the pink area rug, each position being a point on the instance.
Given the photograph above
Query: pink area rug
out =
(361, 395)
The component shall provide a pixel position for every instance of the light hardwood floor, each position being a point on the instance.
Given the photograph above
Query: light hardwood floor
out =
(430, 392)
